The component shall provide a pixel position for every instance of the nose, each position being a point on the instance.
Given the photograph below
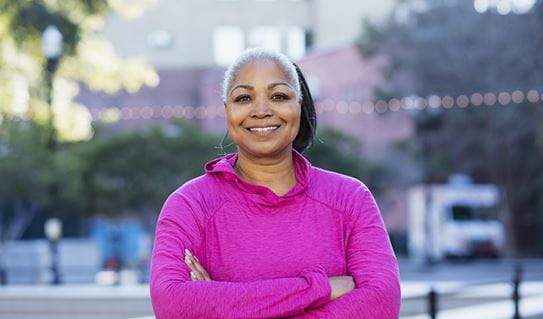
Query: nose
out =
(261, 108)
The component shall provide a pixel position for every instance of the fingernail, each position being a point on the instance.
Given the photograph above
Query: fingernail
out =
(187, 260)
(188, 252)
(192, 275)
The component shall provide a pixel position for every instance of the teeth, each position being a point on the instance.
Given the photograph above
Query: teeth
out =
(263, 129)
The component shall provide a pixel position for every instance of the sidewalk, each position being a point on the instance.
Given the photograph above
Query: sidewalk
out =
(491, 301)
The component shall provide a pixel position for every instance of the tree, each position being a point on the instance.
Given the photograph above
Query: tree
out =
(87, 58)
(27, 167)
(338, 152)
(132, 173)
(25, 170)
(447, 48)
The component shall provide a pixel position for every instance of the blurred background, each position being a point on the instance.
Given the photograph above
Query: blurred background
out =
(107, 106)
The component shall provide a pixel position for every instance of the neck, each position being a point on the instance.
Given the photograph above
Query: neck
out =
(277, 173)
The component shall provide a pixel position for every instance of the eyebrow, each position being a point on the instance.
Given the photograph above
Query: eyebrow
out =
(249, 87)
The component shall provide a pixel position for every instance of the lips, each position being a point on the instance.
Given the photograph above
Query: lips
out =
(264, 128)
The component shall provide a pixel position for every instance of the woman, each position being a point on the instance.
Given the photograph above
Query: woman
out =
(263, 234)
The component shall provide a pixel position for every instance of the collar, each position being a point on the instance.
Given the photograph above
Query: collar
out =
(224, 168)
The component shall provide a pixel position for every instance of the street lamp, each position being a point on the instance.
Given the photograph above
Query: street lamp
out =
(53, 232)
(52, 50)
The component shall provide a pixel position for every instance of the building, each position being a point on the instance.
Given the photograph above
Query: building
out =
(190, 42)
(202, 33)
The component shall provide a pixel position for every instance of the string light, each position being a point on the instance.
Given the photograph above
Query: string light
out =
(447, 102)
(477, 99)
(517, 96)
(342, 107)
(368, 107)
(533, 96)
(407, 103)
(355, 107)
(462, 101)
(394, 105)
(489, 99)
(381, 106)
(421, 103)
(434, 101)
(504, 98)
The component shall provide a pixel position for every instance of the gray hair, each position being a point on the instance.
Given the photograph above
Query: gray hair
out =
(255, 54)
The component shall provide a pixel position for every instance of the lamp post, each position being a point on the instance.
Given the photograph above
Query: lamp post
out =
(52, 50)
(53, 232)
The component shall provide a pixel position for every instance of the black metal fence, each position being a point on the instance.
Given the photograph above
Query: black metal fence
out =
(434, 296)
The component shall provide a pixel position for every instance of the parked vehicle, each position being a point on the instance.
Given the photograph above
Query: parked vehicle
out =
(454, 220)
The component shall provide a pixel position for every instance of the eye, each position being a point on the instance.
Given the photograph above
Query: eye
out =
(242, 98)
(280, 97)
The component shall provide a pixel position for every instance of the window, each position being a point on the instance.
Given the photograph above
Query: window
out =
(473, 213)
(160, 39)
(228, 43)
(296, 43)
(268, 37)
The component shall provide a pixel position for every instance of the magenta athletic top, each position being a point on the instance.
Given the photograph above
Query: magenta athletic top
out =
(270, 256)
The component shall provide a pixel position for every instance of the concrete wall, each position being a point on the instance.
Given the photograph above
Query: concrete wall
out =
(191, 25)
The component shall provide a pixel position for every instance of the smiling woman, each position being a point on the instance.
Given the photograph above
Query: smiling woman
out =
(264, 234)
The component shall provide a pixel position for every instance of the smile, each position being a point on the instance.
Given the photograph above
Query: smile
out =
(263, 129)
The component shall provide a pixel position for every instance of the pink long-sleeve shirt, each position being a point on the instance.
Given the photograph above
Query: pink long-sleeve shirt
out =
(270, 256)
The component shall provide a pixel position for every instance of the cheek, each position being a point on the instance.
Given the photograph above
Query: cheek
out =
(234, 116)
(234, 119)
(296, 115)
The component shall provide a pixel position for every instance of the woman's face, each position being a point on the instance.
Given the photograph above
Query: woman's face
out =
(262, 110)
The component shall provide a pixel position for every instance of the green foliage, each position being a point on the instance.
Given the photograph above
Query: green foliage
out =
(338, 152)
(86, 58)
(133, 172)
(125, 173)
(25, 162)
(27, 171)
(28, 19)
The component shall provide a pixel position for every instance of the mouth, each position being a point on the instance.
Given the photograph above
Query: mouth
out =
(263, 129)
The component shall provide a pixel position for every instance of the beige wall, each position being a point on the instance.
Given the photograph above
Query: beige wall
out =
(339, 23)
(192, 22)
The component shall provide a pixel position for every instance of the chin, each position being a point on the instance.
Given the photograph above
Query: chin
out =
(265, 151)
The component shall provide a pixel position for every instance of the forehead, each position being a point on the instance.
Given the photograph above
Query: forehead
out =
(261, 71)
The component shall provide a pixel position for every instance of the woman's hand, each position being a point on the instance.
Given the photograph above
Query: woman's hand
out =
(197, 272)
(341, 285)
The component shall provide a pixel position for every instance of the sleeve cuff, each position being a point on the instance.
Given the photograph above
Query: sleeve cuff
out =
(320, 289)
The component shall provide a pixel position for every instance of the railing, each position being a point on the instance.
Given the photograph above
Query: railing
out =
(434, 295)
(69, 274)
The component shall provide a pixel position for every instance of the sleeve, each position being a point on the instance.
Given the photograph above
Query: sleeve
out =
(175, 295)
(372, 264)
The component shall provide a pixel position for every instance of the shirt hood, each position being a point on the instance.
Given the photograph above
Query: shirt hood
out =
(223, 167)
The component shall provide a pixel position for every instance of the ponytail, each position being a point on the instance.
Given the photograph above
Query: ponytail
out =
(308, 120)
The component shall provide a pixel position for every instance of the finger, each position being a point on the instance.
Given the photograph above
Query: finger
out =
(200, 268)
(189, 262)
(195, 274)
(189, 259)
(206, 275)
(194, 264)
